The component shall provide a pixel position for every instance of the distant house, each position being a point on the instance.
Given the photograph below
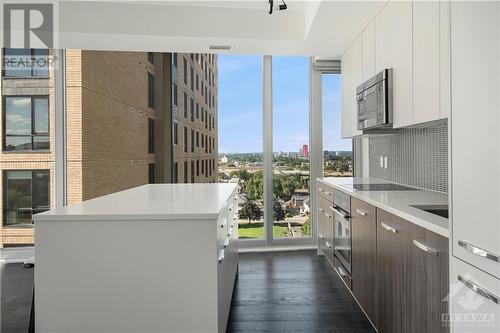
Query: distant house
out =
(306, 208)
(298, 198)
(224, 159)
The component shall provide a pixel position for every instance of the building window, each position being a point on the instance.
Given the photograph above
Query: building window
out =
(185, 172)
(151, 91)
(192, 141)
(192, 77)
(192, 171)
(185, 105)
(197, 110)
(25, 63)
(191, 108)
(202, 140)
(176, 134)
(151, 58)
(192, 56)
(151, 135)
(206, 95)
(206, 119)
(25, 193)
(26, 123)
(151, 173)
(174, 59)
(197, 139)
(197, 167)
(202, 114)
(174, 93)
(176, 173)
(184, 71)
(185, 139)
(197, 82)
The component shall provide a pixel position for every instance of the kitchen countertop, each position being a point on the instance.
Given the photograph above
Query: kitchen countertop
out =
(398, 202)
(151, 202)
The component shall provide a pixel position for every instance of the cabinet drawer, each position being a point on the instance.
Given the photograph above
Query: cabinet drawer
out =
(344, 275)
(325, 191)
(474, 300)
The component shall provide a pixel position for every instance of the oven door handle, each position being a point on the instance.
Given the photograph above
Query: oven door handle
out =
(337, 210)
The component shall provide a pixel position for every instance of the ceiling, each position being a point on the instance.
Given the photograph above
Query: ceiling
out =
(314, 28)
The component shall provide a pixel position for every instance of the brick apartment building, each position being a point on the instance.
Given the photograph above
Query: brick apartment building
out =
(129, 118)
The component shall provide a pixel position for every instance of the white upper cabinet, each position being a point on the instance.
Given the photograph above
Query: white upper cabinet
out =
(351, 78)
(426, 83)
(393, 49)
(444, 59)
(475, 133)
(368, 51)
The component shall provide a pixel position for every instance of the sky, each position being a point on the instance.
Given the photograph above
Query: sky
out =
(240, 105)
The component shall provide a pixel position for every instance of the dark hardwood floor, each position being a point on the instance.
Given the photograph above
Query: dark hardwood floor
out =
(275, 292)
(292, 292)
(16, 285)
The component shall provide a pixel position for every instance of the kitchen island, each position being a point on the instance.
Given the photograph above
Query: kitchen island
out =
(156, 258)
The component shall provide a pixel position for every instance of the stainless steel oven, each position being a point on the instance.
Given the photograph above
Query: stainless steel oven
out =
(374, 101)
(342, 228)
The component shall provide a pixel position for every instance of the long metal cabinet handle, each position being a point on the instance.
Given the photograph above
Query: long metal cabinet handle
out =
(341, 271)
(479, 290)
(361, 212)
(328, 245)
(389, 228)
(479, 251)
(226, 242)
(321, 236)
(425, 248)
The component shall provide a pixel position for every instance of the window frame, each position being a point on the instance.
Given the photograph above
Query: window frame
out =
(32, 54)
(33, 134)
(34, 210)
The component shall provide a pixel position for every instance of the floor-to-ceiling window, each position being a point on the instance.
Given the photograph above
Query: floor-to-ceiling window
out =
(290, 136)
(240, 137)
(338, 156)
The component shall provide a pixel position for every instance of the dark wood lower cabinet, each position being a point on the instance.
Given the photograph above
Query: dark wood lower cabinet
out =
(392, 273)
(364, 255)
(412, 277)
(428, 281)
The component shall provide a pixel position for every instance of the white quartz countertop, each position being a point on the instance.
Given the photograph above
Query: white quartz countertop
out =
(149, 202)
(397, 202)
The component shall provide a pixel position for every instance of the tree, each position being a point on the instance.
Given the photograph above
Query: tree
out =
(249, 210)
(306, 228)
(241, 174)
(278, 212)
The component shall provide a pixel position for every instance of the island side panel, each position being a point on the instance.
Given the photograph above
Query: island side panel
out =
(126, 276)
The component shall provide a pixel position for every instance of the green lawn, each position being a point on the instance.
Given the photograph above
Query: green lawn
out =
(256, 230)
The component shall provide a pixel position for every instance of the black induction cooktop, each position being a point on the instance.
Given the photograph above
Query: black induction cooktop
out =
(381, 187)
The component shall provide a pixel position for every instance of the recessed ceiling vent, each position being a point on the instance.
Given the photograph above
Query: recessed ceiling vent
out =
(221, 47)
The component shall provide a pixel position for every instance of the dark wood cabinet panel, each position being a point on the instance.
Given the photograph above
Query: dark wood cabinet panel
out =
(364, 254)
(392, 273)
(428, 280)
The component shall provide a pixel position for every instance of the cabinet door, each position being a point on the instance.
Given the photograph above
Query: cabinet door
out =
(392, 248)
(475, 133)
(364, 254)
(368, 51)
(351, 78)
(475, 294)
(426, 66)
(428, 281)
(444, 55)
(393, 34)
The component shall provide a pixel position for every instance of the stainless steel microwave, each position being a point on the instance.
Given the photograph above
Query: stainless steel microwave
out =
(374, 101)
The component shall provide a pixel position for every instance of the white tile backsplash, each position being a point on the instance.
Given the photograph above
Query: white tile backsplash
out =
(413, 156)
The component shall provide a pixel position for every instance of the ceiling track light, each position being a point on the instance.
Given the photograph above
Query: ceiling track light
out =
(282, 6)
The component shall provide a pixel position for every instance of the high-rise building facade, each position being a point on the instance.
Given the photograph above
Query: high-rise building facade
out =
(124, 127)
(194, 80)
